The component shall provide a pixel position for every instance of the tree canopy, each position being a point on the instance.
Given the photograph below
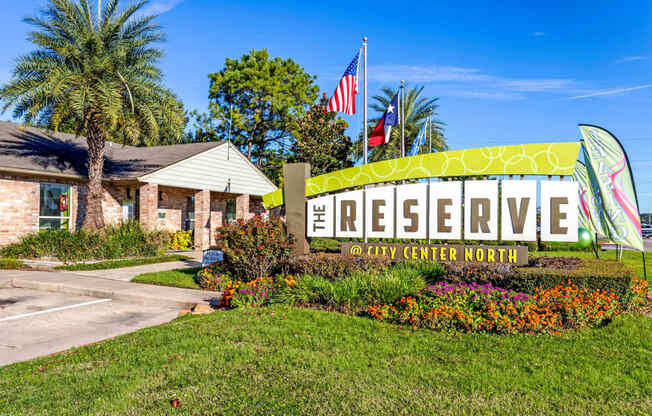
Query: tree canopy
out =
(417, 109)
(256, 101)
(321, 140)
(95, 72)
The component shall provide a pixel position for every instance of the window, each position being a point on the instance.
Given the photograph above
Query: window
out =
(189, 223)
(230, 211)
(54, 207)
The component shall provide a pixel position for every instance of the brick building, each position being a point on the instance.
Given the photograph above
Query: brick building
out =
(198, 186)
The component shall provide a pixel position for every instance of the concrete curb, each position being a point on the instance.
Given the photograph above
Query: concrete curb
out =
(137, 293)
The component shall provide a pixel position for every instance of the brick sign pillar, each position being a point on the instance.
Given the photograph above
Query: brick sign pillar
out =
(202, 219)
(294, 193)
(148, 206)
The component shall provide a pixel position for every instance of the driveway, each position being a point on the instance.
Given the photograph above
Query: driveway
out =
(34, 323)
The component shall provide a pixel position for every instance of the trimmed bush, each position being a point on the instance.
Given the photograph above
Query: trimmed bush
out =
(607, 275)
(119, 241)
(548, 272)
(255, 248)
(495, 273)
(555, 262)
(336, 266)
(324, 245)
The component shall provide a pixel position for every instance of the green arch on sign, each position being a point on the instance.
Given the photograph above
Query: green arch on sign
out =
(522, 159)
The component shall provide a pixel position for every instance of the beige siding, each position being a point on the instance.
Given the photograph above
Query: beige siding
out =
(214, 170)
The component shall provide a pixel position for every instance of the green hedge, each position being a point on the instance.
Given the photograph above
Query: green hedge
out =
(120, 241)
(609, 275)
(335, 265)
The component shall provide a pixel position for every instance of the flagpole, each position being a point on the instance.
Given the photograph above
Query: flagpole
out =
(364, 100)
(401, 100)
(364, 123)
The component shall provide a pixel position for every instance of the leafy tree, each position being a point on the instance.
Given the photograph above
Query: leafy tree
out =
(320, 140)
(259, 98)
(417, 109)
(95, 72)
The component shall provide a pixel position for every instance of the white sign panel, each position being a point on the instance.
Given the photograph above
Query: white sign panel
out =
(481, 210)
(320, 216)
(518, 210)
(379, 212)
(412, 211)
(348, 214)
(559, 211)
(446, 210)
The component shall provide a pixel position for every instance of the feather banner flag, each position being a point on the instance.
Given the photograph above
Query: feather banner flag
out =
(607, 164)
(590, 201)
(419, 141)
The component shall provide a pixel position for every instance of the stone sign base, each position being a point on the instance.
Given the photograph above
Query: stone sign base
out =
(516, 255)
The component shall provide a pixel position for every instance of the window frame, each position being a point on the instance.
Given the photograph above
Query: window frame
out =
(51, 217)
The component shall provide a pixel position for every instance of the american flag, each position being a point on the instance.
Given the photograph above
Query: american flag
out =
(343, 99)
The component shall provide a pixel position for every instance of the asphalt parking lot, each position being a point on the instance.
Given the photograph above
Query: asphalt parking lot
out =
(35, 323)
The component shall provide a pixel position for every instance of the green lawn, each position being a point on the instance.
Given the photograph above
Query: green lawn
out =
(283, 360)
(178, 278)
(117, 264)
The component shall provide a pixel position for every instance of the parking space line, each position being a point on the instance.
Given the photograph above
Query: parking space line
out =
(60, 308)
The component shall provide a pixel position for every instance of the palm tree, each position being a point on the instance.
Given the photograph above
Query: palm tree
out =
(95, 73)
(417, 109)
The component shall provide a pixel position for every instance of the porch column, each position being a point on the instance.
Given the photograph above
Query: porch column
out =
(242, 207)
(148, 206)
(202, 219)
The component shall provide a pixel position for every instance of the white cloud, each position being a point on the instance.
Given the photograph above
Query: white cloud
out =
(631, 59)
(160, 6)
(538, 34)
(415, 73)
(467, 82)
(610, 92)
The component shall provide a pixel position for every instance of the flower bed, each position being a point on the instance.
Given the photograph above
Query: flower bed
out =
(485, 308)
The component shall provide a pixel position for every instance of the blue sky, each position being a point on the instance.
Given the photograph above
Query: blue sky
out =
(504, 74)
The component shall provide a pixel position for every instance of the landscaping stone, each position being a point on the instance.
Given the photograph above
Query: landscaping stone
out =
(201, 309)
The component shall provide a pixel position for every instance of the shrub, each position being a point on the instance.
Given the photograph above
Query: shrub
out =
(181, 240)
(212, 277)
(335, 266)
(208, 280)
(495, 273)
(11, 264)
(430, 271)
(353, 293)
(123, 240)
(606, 275)
(484, 308)
(254, 248)
(324, 245)
(555, 262)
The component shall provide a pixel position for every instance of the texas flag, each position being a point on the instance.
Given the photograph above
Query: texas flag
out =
(381, 132)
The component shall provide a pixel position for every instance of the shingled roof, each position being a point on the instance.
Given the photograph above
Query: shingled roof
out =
(34, 149)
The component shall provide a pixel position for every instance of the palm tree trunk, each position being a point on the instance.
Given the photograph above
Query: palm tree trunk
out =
(94, 218)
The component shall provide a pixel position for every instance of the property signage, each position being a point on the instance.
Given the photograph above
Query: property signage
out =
(453, 210)
(516, 255)
(211, 256)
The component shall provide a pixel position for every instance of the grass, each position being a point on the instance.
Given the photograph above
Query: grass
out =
(11, 264)
(284, 360)
(184, 278)
(117, 264)
(632, 259)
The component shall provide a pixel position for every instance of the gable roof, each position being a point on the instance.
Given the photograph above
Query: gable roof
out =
(34, 149)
